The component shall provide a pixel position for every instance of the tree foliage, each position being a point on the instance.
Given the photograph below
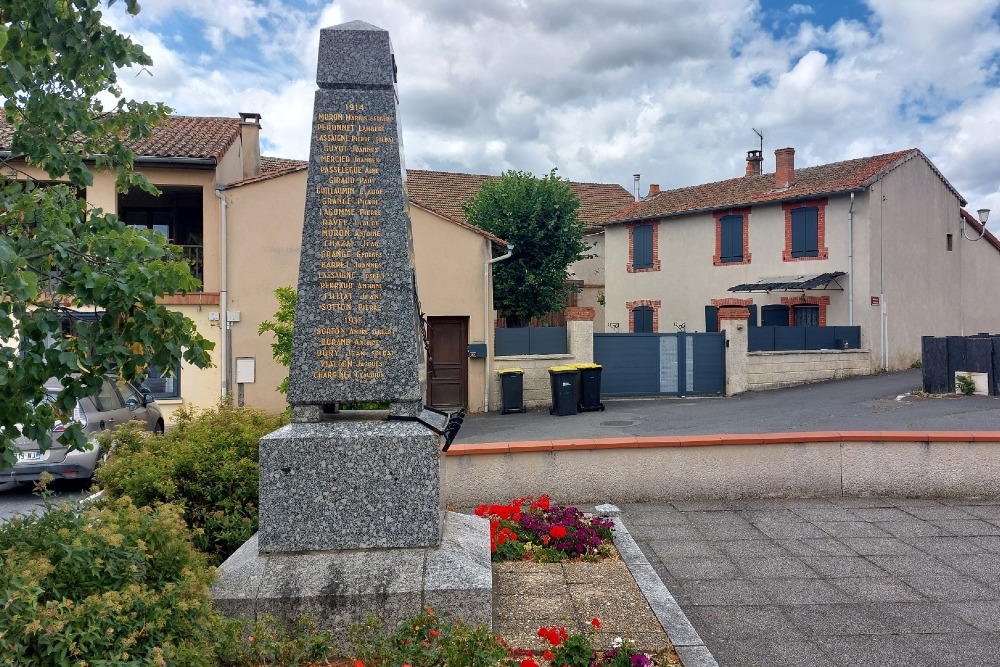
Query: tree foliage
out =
(283, 328)
(539, 216)
(65, 117)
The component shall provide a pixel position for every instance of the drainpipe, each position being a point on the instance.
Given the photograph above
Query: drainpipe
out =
(487, 283)
(223, 292)
(850, 263)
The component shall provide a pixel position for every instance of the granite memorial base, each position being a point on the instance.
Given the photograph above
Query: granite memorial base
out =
(339, 589)
(350, 484)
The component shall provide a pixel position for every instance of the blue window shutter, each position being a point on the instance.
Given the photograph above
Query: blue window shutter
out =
(805, 232)
(642, 319)
(711, 318)
(812, 231)
(642, 247)
(798, 232)
(731, 233)
(752, 322)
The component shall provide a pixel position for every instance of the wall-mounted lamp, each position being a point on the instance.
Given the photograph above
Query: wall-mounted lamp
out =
(984, 215)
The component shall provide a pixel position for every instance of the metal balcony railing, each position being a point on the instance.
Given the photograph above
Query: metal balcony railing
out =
(195, 255)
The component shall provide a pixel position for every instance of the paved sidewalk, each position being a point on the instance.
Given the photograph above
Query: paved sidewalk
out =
(831, 582)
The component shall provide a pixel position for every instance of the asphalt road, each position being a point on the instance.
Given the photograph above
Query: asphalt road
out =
(871, 403)
(18, 498)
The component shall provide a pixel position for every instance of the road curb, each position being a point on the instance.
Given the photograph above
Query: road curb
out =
(687, 642)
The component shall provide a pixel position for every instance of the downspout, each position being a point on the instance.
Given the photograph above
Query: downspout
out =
(850, 263)
(223, 292)
(487, 284)
(883, 315)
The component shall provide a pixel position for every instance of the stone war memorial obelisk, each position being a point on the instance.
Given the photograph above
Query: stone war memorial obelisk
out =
(352, 518)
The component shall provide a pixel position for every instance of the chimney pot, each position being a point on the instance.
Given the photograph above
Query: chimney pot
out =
(654, 189)
(784, 167)
(755, 162)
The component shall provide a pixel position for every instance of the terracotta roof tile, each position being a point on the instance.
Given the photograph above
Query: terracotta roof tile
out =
(444, 193)
(179, 136)
(271, 163)
(809, 181)
(271, 167)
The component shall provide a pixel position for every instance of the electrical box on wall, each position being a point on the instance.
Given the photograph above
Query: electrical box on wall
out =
(477, 351)
(246, 370)
(213, 316)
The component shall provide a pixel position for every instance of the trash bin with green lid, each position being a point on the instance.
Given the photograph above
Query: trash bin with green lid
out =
(565, 384)
(511, 390)
(589, 395)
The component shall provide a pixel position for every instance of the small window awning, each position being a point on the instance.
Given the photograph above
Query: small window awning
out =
(822, 281)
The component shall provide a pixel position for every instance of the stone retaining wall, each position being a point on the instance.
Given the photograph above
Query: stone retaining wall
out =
(771, 370)
(776, 465)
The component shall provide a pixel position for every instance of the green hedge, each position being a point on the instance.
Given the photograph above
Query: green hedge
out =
(207, 463)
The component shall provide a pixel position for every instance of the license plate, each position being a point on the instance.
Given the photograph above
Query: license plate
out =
(29, 456)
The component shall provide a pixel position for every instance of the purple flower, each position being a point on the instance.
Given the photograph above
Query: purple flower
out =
(640, 660)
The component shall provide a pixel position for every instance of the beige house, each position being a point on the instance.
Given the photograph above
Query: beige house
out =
(454, 284)
(185, 158)
(876, 242)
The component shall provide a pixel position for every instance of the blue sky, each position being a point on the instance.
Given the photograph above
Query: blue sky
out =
(603, 89)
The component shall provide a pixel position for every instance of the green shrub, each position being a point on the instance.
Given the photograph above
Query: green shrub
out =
(427, 640)
(208, 464)
(111, 584)
(267, 641)
(965, 385)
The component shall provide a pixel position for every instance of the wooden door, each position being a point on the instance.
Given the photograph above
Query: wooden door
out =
(448, 370)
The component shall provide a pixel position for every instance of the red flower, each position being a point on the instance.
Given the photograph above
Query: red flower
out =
(528, 662)
(553, 635)
(543, 501)
(358, 663)
(435, 633)
(558, 532)
(481, 510)
(547, 655)
(595, 622)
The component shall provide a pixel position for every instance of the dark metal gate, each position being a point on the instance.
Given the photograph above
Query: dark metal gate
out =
(673, 364)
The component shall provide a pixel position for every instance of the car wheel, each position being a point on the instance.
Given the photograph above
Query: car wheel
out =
(158, 429)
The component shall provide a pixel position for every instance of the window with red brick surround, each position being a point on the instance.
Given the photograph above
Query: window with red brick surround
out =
(792, 301)
(644, 303)
(820, 206)
(719, 215)
(650, 234)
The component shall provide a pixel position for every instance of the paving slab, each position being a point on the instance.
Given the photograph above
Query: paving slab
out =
(889, 582)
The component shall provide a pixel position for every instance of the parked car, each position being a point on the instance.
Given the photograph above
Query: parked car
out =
(116, 404)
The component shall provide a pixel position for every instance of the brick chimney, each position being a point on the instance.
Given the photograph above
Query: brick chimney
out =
(755, 163)
(250, 143)
(654, 189)
(784, 167)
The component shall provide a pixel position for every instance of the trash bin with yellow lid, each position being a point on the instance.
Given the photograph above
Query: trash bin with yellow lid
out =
(511, 390)
(589, 394)
(565, 381)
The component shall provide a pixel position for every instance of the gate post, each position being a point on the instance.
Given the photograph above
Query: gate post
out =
(580, 333)
(733, 322)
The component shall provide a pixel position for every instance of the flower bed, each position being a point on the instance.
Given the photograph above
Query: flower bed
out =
(537, 530)
(430, 640)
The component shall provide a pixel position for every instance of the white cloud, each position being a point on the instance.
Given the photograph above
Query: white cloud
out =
(604, 90)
